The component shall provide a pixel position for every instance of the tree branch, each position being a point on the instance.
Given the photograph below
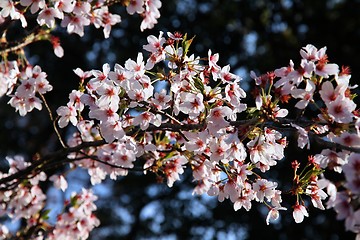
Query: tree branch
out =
(60, 157)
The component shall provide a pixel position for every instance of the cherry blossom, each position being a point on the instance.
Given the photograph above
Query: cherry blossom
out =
(304, 94)
(340, 110)
(59, 182)
(273, 214)
(47, 16)
(299, 213)
(67, 114)
(145, 118)
(197, 123)
(35, 5)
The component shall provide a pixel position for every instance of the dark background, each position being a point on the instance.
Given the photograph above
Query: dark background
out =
(248, 34)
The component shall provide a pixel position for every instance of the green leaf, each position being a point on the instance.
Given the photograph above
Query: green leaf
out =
(186, 44)
(199, 84)
(45, 214)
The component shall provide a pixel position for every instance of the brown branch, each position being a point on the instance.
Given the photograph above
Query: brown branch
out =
(333, 145)
(59, 157)
(95, 158)
(53, 157)
(33, 37)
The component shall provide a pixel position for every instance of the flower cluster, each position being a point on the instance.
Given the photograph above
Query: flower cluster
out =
(24, 87)
(326, 88)
(79, 220)
(314, 68)
(226, 154)
(346, 202)
(125, 105)
(75, 15)
(27, 201)
(169, 111)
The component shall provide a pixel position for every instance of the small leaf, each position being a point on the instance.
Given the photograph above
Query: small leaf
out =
(199, 84)
(186, 44)
(45, 214)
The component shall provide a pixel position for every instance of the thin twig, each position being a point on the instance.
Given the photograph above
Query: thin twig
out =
(333, 145)
(53, 121)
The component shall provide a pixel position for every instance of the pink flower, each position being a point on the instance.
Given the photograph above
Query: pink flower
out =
(103, 18)
(8, 8)
(280, 112)
(82, 74)
(219, 151)
(99, 76)
(26, 88)
(47, 16)
(326, 69)
(331, 159)
(35, 4)
(226, 77)
(299, 213)
(124, 158)
(64, 5)
(311, 53)
(306, 94)
(285, 81)
(75, 24)
(216, 119)
(81, 7)
(342, 205)
(273, 214)
(191, 104)
(41, 85)
(155, 44)
(233, 93)
(59, 182)
(314, 190)
(214, 68)
(304, 71)
(135, 6)
(264, 188)
(25, 104)
(105, 113)
(118, 76)
(340, 110)
(329, 94)
(135, 69)
(139, 94)
(109, 94)
(303, 138)
(348, 139)
(161, 100)
(67, 114)
(245, 198)
(198, 141)
(352, 223)
(237, 150)
(75, 100)
(151, 14)
(112, 130)
(173, 168)
(145, 118)
(352, 172)
(261, 151)
(155, 47)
